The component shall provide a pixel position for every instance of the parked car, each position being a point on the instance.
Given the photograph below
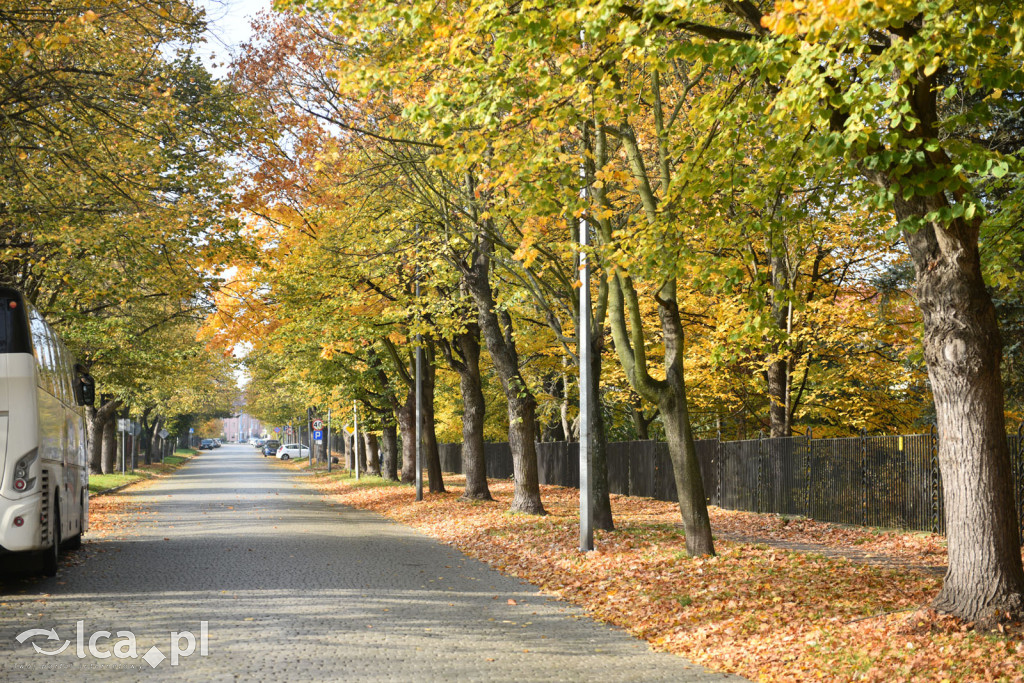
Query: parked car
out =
(207, 445)
(270, 447)
(216, 443)
(292, 450)
(258, 444)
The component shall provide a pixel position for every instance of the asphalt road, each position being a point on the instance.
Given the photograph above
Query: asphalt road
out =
(294, 589)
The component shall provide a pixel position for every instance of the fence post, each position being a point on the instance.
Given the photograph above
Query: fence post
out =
(864, 475)
(807, 474)
(933, 463)
(760, 469)
(721, 465)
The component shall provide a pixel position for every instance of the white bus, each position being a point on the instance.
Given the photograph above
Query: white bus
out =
(44, 480)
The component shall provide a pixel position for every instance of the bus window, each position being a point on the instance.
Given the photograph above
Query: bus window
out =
(67, 374)
(41, 342)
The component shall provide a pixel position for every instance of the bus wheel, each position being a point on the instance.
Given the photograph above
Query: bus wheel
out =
(52, 557)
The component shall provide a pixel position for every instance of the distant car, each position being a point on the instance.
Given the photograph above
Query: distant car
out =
(207, 445)
(292, 450)
(258, 444)
(216, 443)
(270, 447)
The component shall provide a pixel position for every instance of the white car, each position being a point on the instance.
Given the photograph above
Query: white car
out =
(292, 450)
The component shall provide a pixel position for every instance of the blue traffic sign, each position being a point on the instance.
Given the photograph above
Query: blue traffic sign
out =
(318, 434)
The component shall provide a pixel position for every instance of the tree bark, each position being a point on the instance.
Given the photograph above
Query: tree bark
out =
(431, 454)
(474, 465)
(406, 415)
(389, 453)
(372, 449)
(963, 351)
(599, 488)
(109, 445)
(522, 407)
(97, 420)
(154, 441)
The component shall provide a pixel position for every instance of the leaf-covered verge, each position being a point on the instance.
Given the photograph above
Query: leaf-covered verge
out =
(99, 483)
(761, 612)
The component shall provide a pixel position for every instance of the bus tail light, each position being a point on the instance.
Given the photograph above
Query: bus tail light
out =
(19, 521)
(22, 481)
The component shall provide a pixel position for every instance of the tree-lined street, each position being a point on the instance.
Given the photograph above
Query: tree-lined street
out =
(295, 589)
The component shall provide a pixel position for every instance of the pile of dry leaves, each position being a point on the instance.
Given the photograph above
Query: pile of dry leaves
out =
(765, 613)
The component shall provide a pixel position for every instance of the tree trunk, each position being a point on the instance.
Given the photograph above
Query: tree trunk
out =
(406, 415)
(777, 376)
(109, 446)
(599, 489)
(431, 455)
(467, 364)
(389, 453)
(963, 350)
(97, 420)
(522, 407)
(154, 444)
(686, 469)
(94, 440)
(474, 407)
(372, 454)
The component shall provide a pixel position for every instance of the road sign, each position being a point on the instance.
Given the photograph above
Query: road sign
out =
(318, 435)
(191, 430)
(277, 430)
(164, 433)
(318, 425)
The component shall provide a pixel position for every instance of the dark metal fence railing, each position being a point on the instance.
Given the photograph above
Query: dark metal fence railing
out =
(886, 481)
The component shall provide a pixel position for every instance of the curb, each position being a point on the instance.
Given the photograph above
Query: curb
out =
(115, 489)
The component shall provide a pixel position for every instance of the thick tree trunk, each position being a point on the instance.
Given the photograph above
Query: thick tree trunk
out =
(109, 445)
(406, 415)
(155, 442)
(389, 453)
(522, 407)
(777, 377)
(94, 440)
(686, 469)
(963, 350)
(372, 454)
(599, 489)
(94, 425)
(474, 407)
(431, 454)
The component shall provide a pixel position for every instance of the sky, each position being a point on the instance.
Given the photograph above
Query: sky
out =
(229, 26)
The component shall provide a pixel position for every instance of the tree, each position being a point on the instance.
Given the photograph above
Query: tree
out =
(889, 89)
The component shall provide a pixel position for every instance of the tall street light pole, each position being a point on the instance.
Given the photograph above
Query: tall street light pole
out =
(419, 392)
(419, 414)
(329, 454)
(585, 382)
(355, 438)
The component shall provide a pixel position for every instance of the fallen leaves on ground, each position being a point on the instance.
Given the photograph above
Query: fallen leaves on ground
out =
(764, 613)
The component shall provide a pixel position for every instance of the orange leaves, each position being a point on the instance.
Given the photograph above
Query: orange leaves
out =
(766, 613)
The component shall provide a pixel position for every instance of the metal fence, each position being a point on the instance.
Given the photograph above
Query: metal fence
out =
(886, 481)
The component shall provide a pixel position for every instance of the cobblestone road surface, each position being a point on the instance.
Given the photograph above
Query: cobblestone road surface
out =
(294, 589)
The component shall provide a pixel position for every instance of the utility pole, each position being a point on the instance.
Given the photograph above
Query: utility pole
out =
(419, 391)
(355, 438)
(329, 454)
(585, 379)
